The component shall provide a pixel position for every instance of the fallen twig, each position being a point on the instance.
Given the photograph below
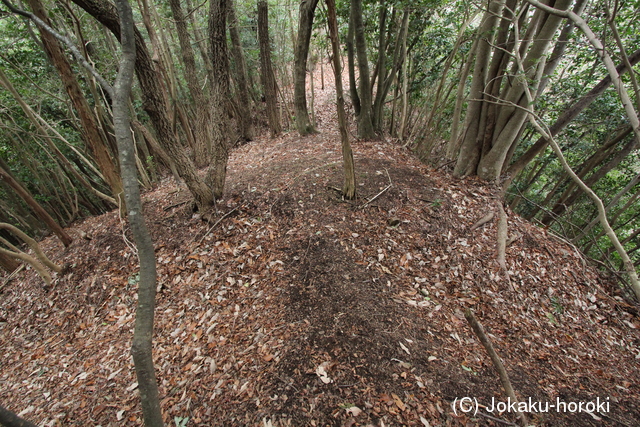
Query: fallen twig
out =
(502, 372)
(216, 223)
(384, 190)
(175, 205)
(11, 276)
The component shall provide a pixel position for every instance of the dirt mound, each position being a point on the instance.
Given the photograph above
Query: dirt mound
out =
(299, 308)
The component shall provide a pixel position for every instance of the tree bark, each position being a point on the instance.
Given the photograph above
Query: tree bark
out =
(10, 419)
(154, 101)
(241, 77)
(220, 96)
(89, 130)
(202, 116)
(8, 264)
(307, 10)
(268, 78)
(365, 119)
(469, 153)
(37, 209)
(141, 349)
(349, 186)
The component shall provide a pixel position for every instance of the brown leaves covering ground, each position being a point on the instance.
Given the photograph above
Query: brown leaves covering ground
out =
(301, 309)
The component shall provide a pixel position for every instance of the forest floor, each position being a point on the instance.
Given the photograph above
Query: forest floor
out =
(293, 307)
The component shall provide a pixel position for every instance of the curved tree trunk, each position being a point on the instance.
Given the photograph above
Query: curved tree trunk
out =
(143, 332)
(307, 10)
(37, 209)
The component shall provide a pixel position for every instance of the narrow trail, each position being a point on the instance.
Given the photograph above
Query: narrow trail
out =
(293, 307)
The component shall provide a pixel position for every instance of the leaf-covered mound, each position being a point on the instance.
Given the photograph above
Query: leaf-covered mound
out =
(296, 308)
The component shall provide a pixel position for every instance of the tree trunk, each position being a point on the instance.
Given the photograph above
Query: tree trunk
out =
(365, 119)
(154, 101)
(307, 10)
(566, 117)
(469, 153)
(241, 77)
(143, 332)
(353, 88)
(349, 186)
(266, 69)
(11, 419)
(202, 116)
(37, 209)
(9, 265)
(220, 97)
(89, 131)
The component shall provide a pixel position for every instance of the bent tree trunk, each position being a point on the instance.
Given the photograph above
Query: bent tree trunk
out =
(42, 214)
(143, 332)
(154, 102)
(307, 9)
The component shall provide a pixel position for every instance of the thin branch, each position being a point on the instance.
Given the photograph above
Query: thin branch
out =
(497, 362)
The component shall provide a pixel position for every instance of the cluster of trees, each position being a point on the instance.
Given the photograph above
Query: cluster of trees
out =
(539, 96)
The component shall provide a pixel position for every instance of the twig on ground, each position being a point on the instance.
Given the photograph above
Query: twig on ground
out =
(175, 205)
(384, 190)
(502, 372)
(216, 223)
(10, 277)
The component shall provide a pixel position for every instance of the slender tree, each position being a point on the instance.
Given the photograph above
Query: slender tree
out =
(241, 77)
(305, 25)
(349, 186)
(365, 118)
(266, 69)
(202, 117)
(143, 333)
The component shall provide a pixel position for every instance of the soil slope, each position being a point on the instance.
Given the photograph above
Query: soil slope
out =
(293, 307)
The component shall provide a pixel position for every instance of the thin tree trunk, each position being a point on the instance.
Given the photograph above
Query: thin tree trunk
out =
(220, 96)
(365, 118)
(307, 10)
(202, 118)
(349, 186)
(143, 333)
(37, 209)
(241, 77)
(268, 78)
